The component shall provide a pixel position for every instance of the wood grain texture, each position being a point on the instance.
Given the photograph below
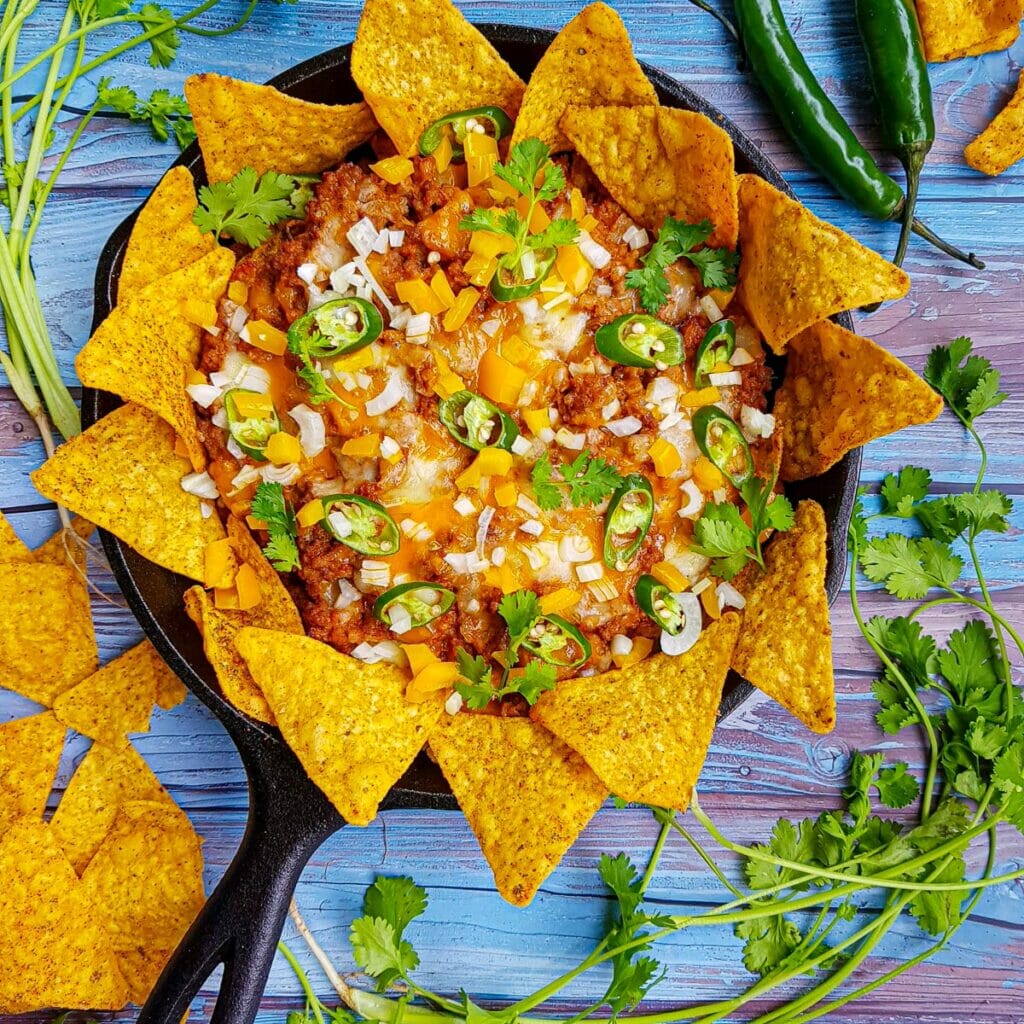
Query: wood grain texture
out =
(762, 763)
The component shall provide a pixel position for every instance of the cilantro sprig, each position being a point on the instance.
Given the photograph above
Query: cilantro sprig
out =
(586, 480)
(270, 505)
(165, 113)
(246, 207)
(678, 240)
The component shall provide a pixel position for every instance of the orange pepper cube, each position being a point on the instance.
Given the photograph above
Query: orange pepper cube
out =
(267, 337)
(393, 169)
(499, 380)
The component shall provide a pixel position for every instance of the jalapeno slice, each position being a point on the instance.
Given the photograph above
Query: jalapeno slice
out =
(250, 431)
(336, 328)
(509, 284)
(637, 339)
(557, 641)
(716, 347)
(360, 523)
(627, 521)
(477, 423)
(659, 604)
(412, 605)
(720, 439)
(494, 120)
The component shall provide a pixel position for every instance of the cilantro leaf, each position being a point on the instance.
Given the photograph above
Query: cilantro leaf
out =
(1008, 778)
(378, 950)
(909, 567)
(717, 267)
(547, 493)
(269, 505)
(561, 231)
(245, 207)
(721, 535)
(984, 512)
(537, 678)
(895, 787)
(475, 686)
(968, 383)
(396, 902)
(319, 390)
(900, 492)
(164, 45)
(590, 479)
(940, 518)
(520, 610)
(768, 942)
(970, 659)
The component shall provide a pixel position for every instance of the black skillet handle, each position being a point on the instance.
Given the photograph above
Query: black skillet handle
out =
(241, 923)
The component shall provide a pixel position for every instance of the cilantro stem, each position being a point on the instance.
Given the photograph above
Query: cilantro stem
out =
(312, 999)
(706, 857)
(659, 845)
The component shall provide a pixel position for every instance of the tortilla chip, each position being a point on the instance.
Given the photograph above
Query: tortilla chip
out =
(785, 644)
(119, 698)
(349, 723)
(796, 269)
(164, 237)
(525, 794)
(30, 750)
(106, 778)
(61, 549)
(170, 691)
(145, 348)
(590, 63)
(124, 475)
(645, 730)
(417, 60)
(241, 124)
(660, 162)
(146, 878)
(12, 547)
(54, 950)
(839, 392)
(962, 28)
(276, 610)
(1001, 144)
(140, 968)
(47, 642)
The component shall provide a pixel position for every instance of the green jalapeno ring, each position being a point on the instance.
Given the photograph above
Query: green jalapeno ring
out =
(637, 339)
(630, 514)
(551, 634)
(410, 596)
(719, 438)
(251, 435)
(500, 123)
(477, 422)
(509, 265)
(655, 600)
(372, 531)
(337, 328)
(717, 346)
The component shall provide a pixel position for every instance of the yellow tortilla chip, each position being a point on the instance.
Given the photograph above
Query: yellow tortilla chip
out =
(348, 722)
(276, 610)
(63, 549)
(124, 475)
(47, 642)
(241, 124)
(145, 348)
(106, 778)
(12, 547)
(30, 750)
(590, 63)
(146, 878)
(796, 269)
(417, 60)
(785, 644)
(525, 794)
(659, 162)
(164, 237)
(645, 730)
(140, 968)
(841, 391)
(962, 28)
(1001, 144)
(54, 950)
(119, 698)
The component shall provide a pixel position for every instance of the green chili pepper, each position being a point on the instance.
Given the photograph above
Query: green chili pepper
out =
(493, 118)
(627, 521)
(336, 328)
(423, 602)
(720, 439)
(657, 602)
(637, 339)
(557, 641)
(816, 126)
(251, 434)
(892, 41)
(477, 423)
(716, 347)
(509, 284)
(360, 523)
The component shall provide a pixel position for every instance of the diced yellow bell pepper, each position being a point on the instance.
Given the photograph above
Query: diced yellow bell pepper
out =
(700, 398)
(219, 564)
(709, 599)
(642, 646)
(667, 573)
(706, 475)
(539, 219)
(573, 268)
(238, 291)
(506, 494)
(588, 223)
(501, 190)
(442, 289)
(520, 352)
(448, 382)
(358, 360)
(437, 676)
(247, 587)
(722, 368)
(577, 205)
(393, 169)
(443, 154)
(479, 144)
(255, 524)
(559, 600)
(479, 169)
(458, 314)
(253, 406)
(311, 513)
(665, 457)
(283, 449)
(537, 420)
(494, 462)
(503, 577)
(225, 599)
(267, 337)
(366, 446)
(721, 297)
(200, 312)
(180, 449)
(419, 295)
(193, 376)
(499, 380)
(480, 269)
(487, 243)
(420, 656)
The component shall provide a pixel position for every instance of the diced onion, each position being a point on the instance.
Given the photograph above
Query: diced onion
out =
(234, 449)
(533, 527)
(400, 620)
(528, 261)
(339, 524)
(418, 326)
(464, 506)
(389, 447)
(589, 572)
(720, 495)
(490, 327)
(498, 556)
(662, 388)
(756, 424)
(690, 607)
(574, 548)
(375, 286)
(669, 421)
(453, 705)
(482, 526)
(527, 505)
(621, 645)
(567, 439)
(363, 236)
(245, 476)
(603, 290)
(729, 596)
(307, 272)
(200, 484)
(611, 410)
(710, 308)
(741, 357)
(280, 474)
(693, 500)
(624, 427)
(392, 394)
(385, 650)
(400, 317)
(700, 586)
(466, 562)
(395, 238)
(520, 446)
(347, 595)
(204, 395)
(381, 245)
(635, 237)
(205, 509)
(312, 432)
(531, 311)
(726, 379)
(238, 318)
(595, 254)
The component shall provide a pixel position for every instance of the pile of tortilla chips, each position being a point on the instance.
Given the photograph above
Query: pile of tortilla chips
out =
(528, 786)
(96, 899)
(964, 28)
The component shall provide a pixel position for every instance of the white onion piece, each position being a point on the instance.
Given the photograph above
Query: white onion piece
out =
(727, 379)
(594, 253)
(624, 427)
(307, 272)
(690, 606)
(453, 705)
(347, 595)
(710, 308)
(482, 526)
(363, 236)
(694, 500)
(203, 395)
(312, 432)
(729, 596)
(392, 394)
(200, 484)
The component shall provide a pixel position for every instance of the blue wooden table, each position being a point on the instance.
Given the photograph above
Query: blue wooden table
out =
(762, 764)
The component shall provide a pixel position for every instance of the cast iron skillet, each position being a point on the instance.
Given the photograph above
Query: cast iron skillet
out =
(289, 817)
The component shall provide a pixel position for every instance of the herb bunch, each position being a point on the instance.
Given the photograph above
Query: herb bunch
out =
(820, 895)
